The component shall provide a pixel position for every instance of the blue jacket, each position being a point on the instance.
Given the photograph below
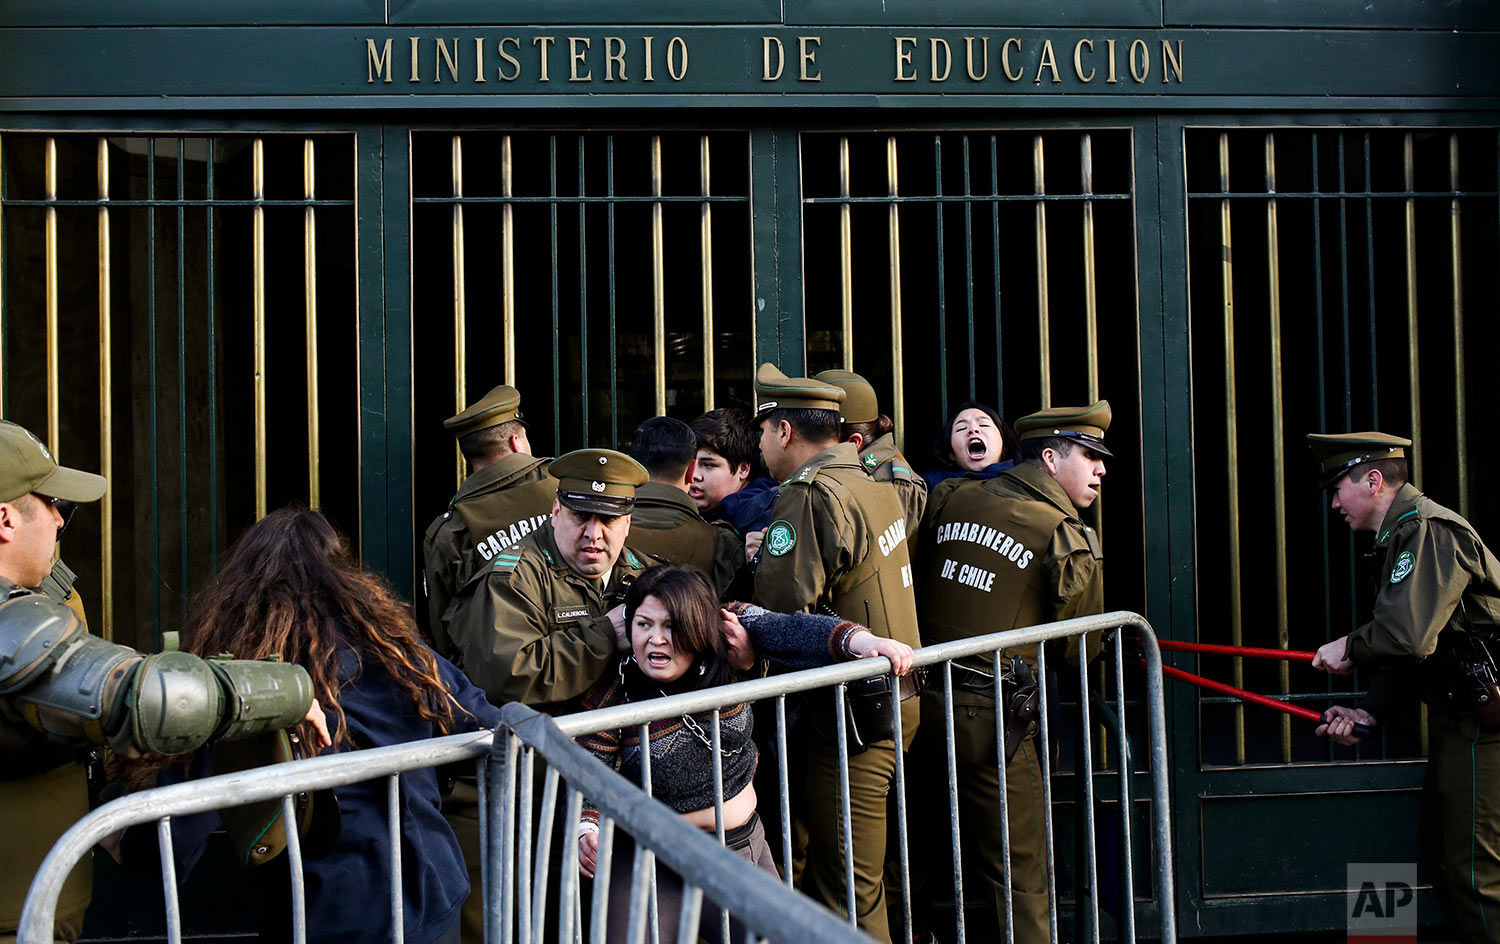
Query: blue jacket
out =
(748, 509)
(937, 475)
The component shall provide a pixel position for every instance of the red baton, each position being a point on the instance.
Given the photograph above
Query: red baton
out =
(1248, 652)
(1363, 730)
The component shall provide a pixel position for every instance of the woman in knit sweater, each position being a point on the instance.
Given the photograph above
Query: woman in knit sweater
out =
(678, 642)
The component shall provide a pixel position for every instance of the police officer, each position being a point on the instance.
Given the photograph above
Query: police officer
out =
(62, 690)
(1434, 634)
(836, 543)
(1001, 553)
(507, 495)
(665, 521)
(873, 435)
(546, 617)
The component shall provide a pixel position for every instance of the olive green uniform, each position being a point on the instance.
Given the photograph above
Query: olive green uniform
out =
(666, 524)
(885, 463)
(1002, 553)
(837, 541)
(494, 509)
(1437, 581)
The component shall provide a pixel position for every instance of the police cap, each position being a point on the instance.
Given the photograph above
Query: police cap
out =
(860, 405)
(598, 481)
(776, 391)
(26, 466)
(1082, 424)
(501, 405)
(1341, 452)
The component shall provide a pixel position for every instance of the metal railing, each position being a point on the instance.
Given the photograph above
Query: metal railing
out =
(517, 830)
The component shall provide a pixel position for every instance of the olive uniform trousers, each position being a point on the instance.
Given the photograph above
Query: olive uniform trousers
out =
(1461, 823)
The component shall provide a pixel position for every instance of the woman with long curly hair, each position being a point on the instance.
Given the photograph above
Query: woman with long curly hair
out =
(292, 589)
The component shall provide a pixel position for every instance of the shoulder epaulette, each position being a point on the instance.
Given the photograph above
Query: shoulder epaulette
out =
(507, 560)
(1410, 514)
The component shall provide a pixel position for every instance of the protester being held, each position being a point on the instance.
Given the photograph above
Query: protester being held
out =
(681, 641)
(292, 589)
(730, 483)
(976, 443)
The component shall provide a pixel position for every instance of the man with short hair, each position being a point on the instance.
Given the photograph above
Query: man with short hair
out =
(545, 620)
(729, 483)
(1002, 553)
(665, 521)
(1434, 634)
(507, 495)
(836, 544)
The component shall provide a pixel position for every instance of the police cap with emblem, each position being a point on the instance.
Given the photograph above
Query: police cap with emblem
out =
(598, 481)
(501, 405)
(776, 391)
(1082, 424)
(27, 467)
(860, 405)
(1341, 452)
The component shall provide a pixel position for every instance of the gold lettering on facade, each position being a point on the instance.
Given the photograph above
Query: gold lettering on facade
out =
(1171, 61)
(807, 59)
(1139, 54)
(649, 64)
(1078, 60)
(677, 58)
(507, 57)
(542, 42)
(575, 59)
(479, 59)
(614, 54)
(984, 57)
(444, 56)
(1005, 60)
(1112, 80)
(377, 63)
(766, 42)
(1048, 61)
(414, 76)
(936, 44)
(904, 47)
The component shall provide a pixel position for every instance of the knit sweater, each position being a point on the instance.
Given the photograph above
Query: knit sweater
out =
(682, 747)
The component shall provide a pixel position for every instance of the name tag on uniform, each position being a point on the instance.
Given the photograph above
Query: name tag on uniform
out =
(561, 614)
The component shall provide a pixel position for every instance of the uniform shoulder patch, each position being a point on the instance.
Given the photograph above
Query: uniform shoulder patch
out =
(781, 537)
(631, 559)
(869, 460)
(1405, 564)
(507, 560)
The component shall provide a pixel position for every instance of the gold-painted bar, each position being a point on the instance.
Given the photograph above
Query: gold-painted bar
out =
(50, 185)
(1232, 535)
(106, 626)
(1460, 394)
(706, 251)
(508, 261)
(460, 303)
(1414, 385)
(898, 371)
(310, 304)
(846, 258)
(3, 312)
(658, 285)
(258, 316)
(1090, 287)
(1278, 445)
(1044, 320)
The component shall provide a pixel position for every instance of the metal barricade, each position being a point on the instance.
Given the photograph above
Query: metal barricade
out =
(526, 895)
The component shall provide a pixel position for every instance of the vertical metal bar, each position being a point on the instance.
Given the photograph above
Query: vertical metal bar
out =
(1460, 393)
(310, 306)
(955, 833)
(784, 782)
(543, 865)
(182, 443)
(1004, 801)
(1278, 445)
(717, 750)
(583, 290)
(603, 866)
(1322, 393)
(169, 880)
(53, 391)
(3, 311)
(1127, 864)
(1090, 286)
(687, 917)
(508, 259)
(650, 857)
(152, 394)
(522, 862)
(968, 268)
(614, 371)
(1044, 319)
(1231, 438)
(106, 408)
(1092, 844)
(213, 362)
(1369, 305)
(556, 323)
(903, 834)
(707, 251)
(487, 850)
(258, 304)
(846, 826)
(508, 816)
(1413, 368)
(393, 836)
(942, 274)
(995, 245)
(640, 893)
(658, 285)
(898, 371)
(460, 303)
(1044, 739)
(1348, 354)
(846, 258)
(569, 884)
(299, 883)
